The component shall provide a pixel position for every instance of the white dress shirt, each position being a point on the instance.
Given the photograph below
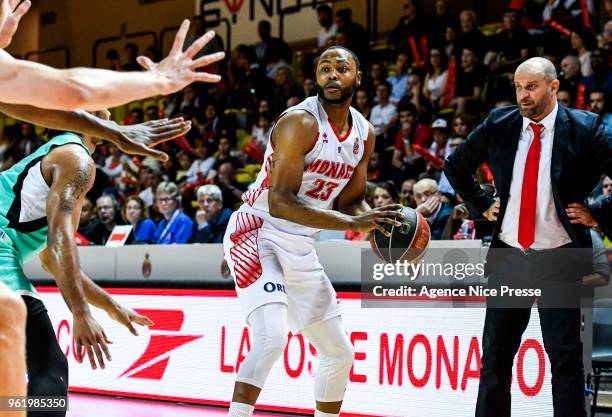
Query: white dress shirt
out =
(549, 232)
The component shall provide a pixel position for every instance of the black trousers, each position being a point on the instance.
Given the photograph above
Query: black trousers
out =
(46, 363)
(557, 274)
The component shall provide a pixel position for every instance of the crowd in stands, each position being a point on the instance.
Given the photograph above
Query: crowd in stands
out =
(433, 80)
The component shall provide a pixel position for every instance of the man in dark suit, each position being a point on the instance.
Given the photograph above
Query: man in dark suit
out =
(544, 158)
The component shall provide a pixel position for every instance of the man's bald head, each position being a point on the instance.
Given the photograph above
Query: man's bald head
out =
(536, 85)
(424, 189)
(538, 65)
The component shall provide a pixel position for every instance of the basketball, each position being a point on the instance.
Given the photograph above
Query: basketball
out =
(408, 242)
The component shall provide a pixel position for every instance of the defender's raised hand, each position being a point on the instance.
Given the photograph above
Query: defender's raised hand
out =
(11, 12)
(179, 69)
(137, 139)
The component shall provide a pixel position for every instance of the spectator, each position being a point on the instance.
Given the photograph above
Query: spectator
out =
(385, 193)
(358, 36)
(375, 167)
(225, 154)
(106, 209)
(201, 166)
(149, 180)
(308, 88)
(363, 102)
(564, 98)
(383, 115)
(435, 80)
(450, 42)
(152, 113)
(184, 161)
(422, 132)
(606, 187)
(470, 36)
(114, 164)
(410, 29)
(285, 88)
(112, 57)
(583, 41)
(439, 147)
(231, 190)
(470, 83)
(131, 51)
(415, 96)
(399, 86)
(86, 221)
(606, 36)
(135, 213)
(175, 226)
(211, 218)
(601, 77)
(430, 205)
(274, 62)
(29, 141)
(570, 76)
(407, 162)
(406, 193)
(267, 42)
(512, 45)
(442, 19)
(328, 26)
(599, 104)
(374, 77)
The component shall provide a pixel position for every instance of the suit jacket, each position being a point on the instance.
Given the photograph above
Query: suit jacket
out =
(582, 151)
(439, 223)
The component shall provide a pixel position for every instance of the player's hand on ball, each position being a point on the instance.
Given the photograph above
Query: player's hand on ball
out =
(126, 316)
(374, 219)
(89, 335)
(492, 212)
(179, 69)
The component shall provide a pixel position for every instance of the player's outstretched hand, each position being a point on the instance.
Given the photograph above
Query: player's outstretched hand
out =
(138, 139)
(374, 219)
(11, 12)
(126, 316)
(179, 69)
(89, 335)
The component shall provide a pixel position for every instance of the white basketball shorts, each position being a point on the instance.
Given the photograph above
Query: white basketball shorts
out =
(272, 266)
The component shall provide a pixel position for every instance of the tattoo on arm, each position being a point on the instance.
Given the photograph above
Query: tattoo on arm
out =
(75, 188)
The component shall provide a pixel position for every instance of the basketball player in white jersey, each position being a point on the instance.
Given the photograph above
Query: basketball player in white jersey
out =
(313, 178)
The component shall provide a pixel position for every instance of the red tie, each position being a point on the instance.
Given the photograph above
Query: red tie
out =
(529, 194)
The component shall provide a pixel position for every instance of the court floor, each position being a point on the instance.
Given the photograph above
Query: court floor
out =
(84, 405)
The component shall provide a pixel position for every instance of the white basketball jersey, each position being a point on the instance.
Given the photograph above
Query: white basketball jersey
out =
(328, 167)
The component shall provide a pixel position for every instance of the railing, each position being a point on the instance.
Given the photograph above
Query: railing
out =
(61, 48)
(123, 36)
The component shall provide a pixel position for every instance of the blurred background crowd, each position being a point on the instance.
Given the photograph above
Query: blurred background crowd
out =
(426, 85)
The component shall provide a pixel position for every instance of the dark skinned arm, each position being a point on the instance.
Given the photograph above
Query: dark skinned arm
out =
(134, 139)
(293, 137)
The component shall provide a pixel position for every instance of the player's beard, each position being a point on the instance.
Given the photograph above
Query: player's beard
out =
(345, 94)
(536, 109)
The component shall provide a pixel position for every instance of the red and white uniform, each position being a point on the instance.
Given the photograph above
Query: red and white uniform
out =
(272, 259)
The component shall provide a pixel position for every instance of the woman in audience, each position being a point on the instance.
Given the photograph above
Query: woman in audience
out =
(435, 80)
(135, 212)
(175, 226)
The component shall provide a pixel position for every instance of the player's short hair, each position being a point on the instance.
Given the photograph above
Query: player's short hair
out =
(351, 53)
(212, 190)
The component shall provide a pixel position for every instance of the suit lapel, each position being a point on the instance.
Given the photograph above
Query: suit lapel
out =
(509, 145)
(559, 146)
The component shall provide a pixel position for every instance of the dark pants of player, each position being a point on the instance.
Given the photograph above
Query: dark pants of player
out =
(506, 321)
(46, 363)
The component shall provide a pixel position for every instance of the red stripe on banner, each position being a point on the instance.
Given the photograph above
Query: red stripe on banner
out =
(415, 51)
(202, 401)
(586, 20)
